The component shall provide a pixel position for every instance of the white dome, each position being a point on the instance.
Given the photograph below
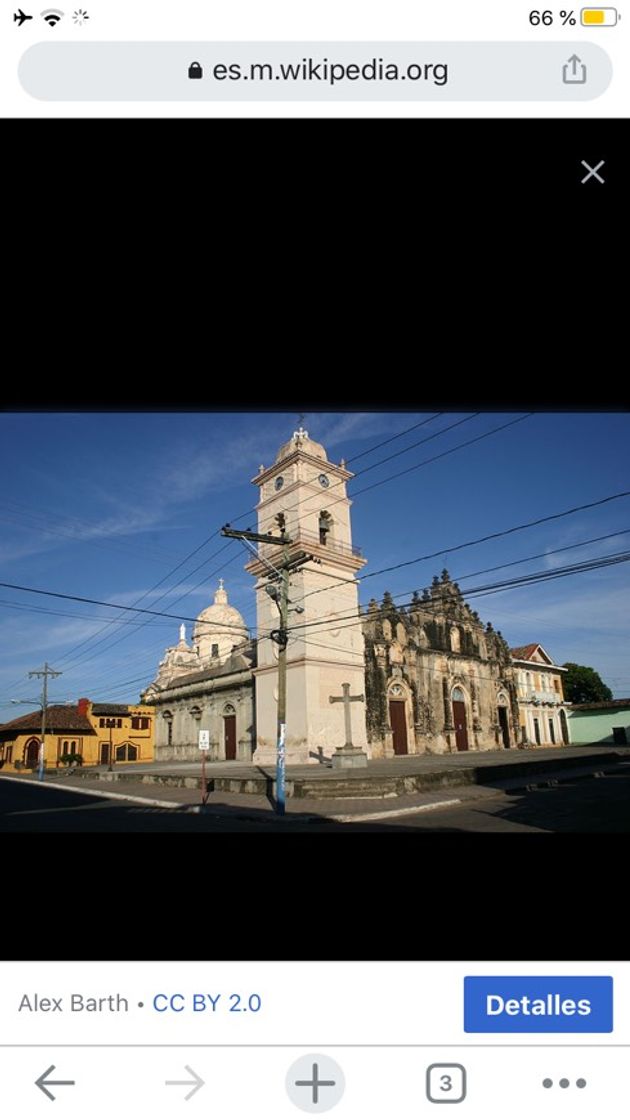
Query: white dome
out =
(219, 628)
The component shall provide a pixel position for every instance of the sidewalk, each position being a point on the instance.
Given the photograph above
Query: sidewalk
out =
(393, 778)
(242, 806)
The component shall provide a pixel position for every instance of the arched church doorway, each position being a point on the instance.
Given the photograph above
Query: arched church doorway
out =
(459, 719)
(564, 730)
(398, 719)
(504, 723)
(229, 733)
(31, 754)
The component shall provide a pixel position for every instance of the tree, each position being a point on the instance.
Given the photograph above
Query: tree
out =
(582, 685)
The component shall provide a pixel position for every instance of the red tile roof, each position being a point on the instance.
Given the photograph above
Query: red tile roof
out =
(524, 653)
(59, 717)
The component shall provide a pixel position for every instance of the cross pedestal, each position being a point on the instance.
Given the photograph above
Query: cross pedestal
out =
(348, 757)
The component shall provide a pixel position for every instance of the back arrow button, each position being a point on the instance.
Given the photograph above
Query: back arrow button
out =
(42, 1083)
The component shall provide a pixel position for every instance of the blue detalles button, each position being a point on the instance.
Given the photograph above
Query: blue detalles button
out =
(538, 1004)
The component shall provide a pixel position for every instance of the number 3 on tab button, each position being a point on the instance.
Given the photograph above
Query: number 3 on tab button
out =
(446, 1083)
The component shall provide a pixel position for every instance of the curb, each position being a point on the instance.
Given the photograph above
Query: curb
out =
(93, 793)
(245, 814)
(350, 818)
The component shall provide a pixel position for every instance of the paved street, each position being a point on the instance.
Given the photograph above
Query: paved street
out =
(575, 805)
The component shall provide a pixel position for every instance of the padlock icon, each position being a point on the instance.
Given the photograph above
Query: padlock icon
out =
(195, 70)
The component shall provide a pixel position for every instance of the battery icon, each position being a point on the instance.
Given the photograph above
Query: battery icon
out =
(598, 17)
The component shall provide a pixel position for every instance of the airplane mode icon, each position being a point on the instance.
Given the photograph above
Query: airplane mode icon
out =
(20, 18)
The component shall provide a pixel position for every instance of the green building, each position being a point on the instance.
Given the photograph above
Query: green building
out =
(607, 721)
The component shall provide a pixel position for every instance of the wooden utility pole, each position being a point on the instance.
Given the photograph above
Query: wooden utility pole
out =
(46, 672)
(281, 638)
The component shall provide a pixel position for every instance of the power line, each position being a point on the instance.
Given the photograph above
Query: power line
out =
(341, 482)
(424, 668)
(35, 519)
(89, 641)
(479, 540)
(185, 618)
(531, 578)
(102, 603)
(132, 608)
(353, 458)
(66, 614)
(86, 641)
(514, 563)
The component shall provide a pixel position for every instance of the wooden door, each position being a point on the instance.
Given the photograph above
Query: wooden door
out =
(505, 727)
(230, 738)
(459, 719)
(32, 752)
(563, 728)
(399, 725)
(104, 761)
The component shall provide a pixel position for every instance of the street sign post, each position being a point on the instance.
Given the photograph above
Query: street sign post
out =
(204, 747)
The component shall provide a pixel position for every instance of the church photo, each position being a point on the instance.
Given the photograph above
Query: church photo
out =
(429, 678)
(243, 621)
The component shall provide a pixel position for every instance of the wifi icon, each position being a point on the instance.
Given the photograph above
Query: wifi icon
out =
(52, 16)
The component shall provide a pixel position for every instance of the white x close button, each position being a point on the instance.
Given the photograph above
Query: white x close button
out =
(592, 171)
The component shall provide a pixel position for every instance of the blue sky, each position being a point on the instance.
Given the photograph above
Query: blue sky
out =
(104, 505)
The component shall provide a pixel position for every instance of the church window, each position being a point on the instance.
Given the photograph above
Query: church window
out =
(456, 640)
(325, 521)
(215, 649)
(168, 717)
(458, 694)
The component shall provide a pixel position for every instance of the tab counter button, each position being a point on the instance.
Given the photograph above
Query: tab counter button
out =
(538, 1004)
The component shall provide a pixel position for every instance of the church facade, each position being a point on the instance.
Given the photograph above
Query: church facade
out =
(207, 685)
(437, 681)
(424, 678)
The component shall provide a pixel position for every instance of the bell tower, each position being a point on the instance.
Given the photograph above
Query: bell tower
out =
(304, 495)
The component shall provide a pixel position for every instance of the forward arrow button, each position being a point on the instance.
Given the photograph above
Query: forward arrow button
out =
(197, 1082)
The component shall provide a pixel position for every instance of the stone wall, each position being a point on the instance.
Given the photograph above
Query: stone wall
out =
(202, 705)
(419, 655)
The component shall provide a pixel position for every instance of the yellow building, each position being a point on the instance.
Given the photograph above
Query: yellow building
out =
(541, 703)
(87, 734)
